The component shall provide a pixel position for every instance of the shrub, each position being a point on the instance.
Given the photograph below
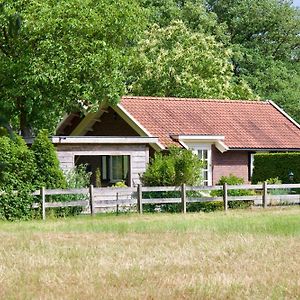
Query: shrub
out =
(16, 205)
(272, 165)
(17, 174)
(75, 178)
(49, 173)
(234, 180)
(177, 167)
(119, 184)
(17, 163)
(205, 206)
(173, 169)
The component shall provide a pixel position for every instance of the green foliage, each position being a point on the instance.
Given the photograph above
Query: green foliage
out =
(49, 173)
(119, 184)
(265, 38)
(205, 206)
(98, 178)
(75, 178)
(173, 169)
(177, 167)
(16, 205)
(17, 173)
(267, 165)
(176, 61)
(53, 53)
(234, 180)
(17, 162)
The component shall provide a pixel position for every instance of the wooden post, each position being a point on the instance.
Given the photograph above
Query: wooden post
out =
(183, 198)
(43, 195)
(225, 196)
(91, 190)
(139, 199)
(117, 203)
(265, 194)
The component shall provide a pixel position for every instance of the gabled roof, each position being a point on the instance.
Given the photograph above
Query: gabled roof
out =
(244, 124)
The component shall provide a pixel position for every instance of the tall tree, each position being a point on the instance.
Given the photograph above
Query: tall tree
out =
(176, 61)
(266, 37)
(57, 56)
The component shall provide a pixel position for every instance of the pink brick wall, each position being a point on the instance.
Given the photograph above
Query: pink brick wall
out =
(230, 162)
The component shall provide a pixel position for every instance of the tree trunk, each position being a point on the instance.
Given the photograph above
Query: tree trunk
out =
(24, 128)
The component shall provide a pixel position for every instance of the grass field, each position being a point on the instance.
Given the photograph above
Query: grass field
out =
(238, 255)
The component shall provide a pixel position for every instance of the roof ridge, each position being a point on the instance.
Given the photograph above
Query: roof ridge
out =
(195, 99)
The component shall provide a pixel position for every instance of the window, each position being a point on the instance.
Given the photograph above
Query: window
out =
(113, 168)
(204, 153)
(119, 167)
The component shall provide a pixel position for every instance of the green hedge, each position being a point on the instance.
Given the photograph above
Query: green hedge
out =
(271, 165)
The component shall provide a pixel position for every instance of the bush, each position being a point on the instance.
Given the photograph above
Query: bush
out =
(16, 205)
(173, 169)
(234, 180)
(17, 163)
(205, 206)
(272, 165)
(75, 178)
(177, 167)
(49, 173)
(17, 173)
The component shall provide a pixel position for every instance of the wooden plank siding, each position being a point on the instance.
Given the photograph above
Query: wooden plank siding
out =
(139, 156)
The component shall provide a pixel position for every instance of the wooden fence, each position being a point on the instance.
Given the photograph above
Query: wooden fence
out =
(102, 198)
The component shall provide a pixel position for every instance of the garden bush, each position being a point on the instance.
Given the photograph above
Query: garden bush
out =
(17, 173)
(49, 173)
(272, 165)
(173, 169)
(75, 178)
(17, 163)
(234, 180)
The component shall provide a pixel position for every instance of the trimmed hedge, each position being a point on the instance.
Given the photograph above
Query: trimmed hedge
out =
(271, 165)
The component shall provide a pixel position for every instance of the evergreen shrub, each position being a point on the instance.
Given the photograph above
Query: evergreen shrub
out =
(17, 174)
(49, 174)
(272, 165)
(234, 180)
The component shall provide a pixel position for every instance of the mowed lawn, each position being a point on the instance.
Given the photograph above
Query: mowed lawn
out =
(238, 255)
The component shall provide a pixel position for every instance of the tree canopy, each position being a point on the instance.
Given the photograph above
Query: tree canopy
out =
(175, 61)
(61, 56)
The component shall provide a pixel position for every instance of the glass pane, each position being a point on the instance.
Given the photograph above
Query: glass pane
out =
(200, 154)
(125, 166)
(205, 154)
(117, 168)
(104, 167)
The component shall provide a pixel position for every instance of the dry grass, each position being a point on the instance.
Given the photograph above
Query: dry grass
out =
(240, 255)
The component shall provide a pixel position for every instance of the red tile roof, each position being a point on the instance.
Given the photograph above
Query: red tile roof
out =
(245, 124)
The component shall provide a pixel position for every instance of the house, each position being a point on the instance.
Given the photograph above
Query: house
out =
(224, 133)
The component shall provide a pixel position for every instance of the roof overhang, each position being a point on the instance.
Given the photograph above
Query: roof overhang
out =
(137, 126)
(217, 140)
(100, 140)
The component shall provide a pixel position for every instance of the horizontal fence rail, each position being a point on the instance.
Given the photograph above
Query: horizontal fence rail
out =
(105, 198)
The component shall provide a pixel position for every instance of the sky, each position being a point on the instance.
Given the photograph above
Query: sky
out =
(297, 3)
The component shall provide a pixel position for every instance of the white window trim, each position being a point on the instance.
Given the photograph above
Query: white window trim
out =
(195, 147)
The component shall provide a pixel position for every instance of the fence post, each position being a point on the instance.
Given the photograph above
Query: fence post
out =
(225, 196)
(117, 203)
(265, 194)
(43, 195)
(183, 198)
(91, 192)
(139, 199)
